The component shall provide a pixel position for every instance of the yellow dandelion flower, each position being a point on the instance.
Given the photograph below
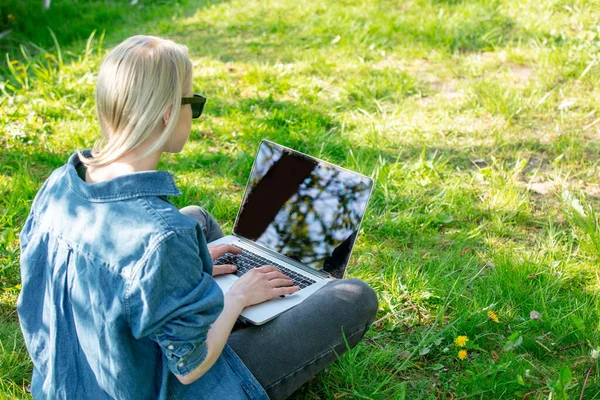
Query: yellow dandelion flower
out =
(493, 316)
(461, 341)
(462, 354)
(10, 17)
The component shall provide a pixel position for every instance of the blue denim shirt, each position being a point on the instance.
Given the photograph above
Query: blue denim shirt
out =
(118, 295)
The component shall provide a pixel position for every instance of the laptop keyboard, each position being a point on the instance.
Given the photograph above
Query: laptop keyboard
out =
(246, 261)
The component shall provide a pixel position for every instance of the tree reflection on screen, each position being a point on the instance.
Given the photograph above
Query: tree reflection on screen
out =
(304, 209)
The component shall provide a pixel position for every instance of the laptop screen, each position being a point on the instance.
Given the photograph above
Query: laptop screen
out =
(303, 208)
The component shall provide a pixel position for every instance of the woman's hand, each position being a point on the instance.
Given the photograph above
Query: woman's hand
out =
(216, 252)
(261, 284)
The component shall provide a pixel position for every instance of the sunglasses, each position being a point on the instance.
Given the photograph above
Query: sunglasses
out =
(197, 103)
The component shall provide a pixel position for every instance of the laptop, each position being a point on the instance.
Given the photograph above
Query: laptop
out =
(299, 214)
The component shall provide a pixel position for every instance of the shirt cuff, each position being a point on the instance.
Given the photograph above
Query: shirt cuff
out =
(181, 357)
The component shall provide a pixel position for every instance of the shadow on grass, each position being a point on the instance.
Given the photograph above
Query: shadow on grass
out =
(29, 23)
(277, 39)
(269, 34)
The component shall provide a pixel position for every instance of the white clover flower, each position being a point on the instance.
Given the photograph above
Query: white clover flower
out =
(15, 131)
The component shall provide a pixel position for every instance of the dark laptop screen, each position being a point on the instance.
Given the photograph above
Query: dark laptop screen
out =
(303, 208)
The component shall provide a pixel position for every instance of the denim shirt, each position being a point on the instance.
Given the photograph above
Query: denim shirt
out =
(118, 295)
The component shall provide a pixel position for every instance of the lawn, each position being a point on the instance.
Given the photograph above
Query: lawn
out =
(478, 120)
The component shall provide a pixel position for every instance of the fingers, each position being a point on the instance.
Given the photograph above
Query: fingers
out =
(220, 249)
(228, 267)
(266, 268)
(284, 290)
(276, 275)
(232, 249)
(281, 282)
(223, 269)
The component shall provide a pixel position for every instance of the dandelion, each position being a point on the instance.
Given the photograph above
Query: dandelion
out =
(462, 354)
(10, 17)
(493, 316)
(461, 341)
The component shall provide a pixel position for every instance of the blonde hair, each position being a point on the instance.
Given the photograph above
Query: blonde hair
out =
(138, 81)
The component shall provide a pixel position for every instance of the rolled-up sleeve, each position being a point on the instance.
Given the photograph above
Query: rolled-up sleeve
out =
(172, 301)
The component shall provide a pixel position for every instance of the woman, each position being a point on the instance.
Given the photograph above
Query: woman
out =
(118, 299)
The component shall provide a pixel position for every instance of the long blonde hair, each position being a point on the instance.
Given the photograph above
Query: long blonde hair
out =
(138, 81)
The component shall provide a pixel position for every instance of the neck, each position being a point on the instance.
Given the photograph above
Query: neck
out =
(123, 166)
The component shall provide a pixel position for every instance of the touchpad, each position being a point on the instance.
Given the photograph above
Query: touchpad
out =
(225, 282)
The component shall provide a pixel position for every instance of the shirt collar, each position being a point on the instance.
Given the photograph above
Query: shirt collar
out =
(137, 184)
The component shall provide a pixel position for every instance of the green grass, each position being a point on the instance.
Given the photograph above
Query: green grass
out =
(478, 120)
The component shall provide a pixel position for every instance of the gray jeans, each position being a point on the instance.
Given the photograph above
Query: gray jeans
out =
(286, 352)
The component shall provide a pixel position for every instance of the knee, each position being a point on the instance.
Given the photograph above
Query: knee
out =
(361, 296)
(198, 214)
(210, 228)
(193, 211)
(369, 300)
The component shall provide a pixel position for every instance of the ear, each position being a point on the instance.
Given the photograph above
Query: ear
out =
(167, 115)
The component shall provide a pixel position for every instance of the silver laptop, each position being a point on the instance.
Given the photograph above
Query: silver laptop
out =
(299, 214)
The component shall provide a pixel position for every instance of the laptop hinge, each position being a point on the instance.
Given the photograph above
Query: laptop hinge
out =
(322, 274)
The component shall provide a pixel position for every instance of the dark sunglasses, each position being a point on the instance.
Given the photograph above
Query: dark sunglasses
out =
(197, 103)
